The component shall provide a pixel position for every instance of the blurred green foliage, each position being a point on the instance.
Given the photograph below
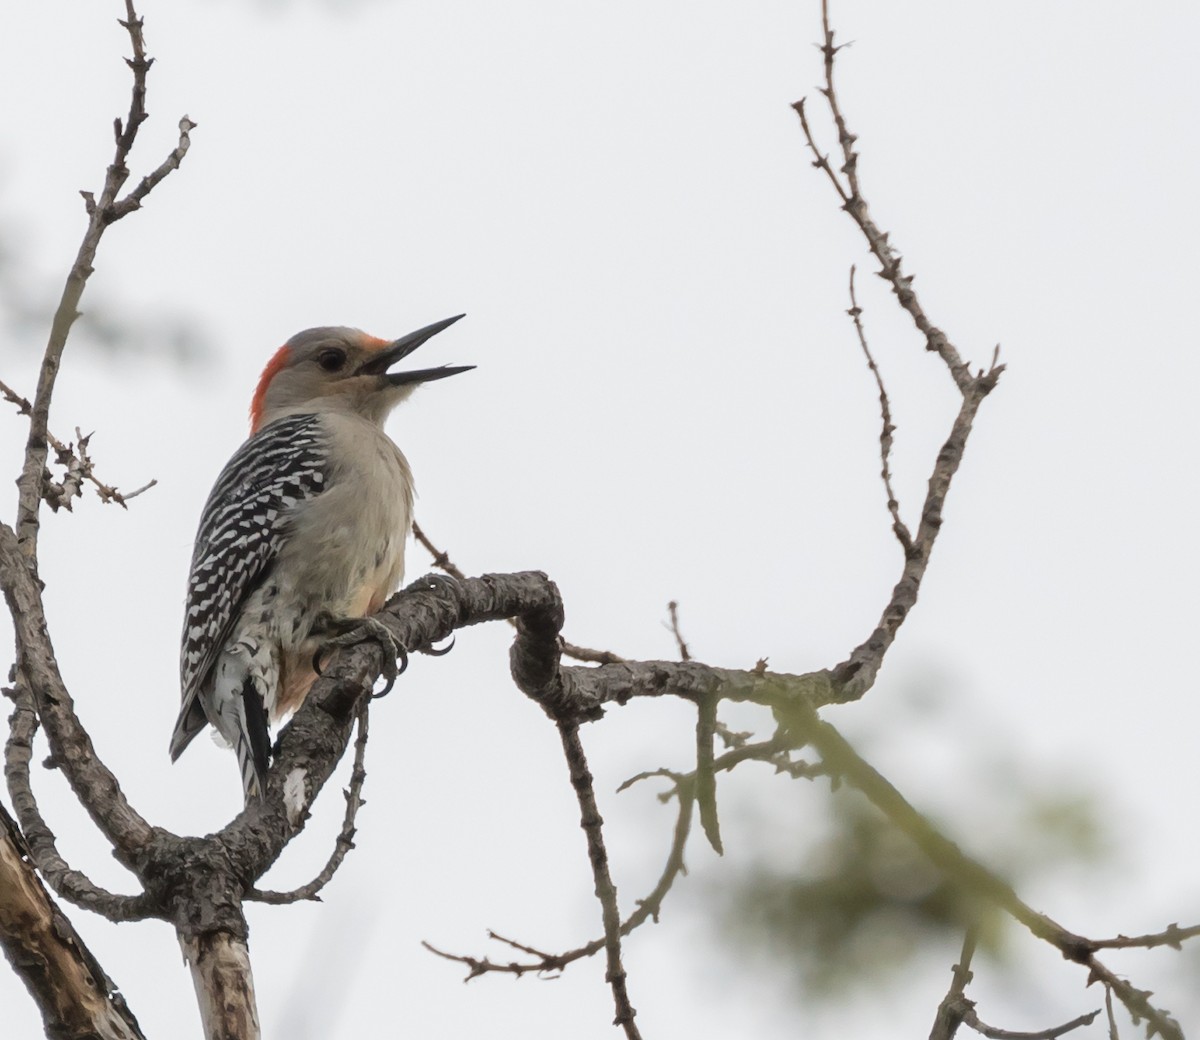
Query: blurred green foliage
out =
(859, 901)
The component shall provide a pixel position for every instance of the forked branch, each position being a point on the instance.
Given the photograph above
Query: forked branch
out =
(101, 212)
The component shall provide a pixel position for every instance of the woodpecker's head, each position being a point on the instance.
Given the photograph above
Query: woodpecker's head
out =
(339, 369)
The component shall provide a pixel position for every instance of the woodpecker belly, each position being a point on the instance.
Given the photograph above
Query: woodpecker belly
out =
(345, 556)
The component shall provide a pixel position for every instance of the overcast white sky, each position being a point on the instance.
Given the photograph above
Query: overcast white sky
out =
(669, 404)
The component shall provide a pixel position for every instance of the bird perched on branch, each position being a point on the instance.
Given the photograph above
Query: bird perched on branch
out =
(302, 537)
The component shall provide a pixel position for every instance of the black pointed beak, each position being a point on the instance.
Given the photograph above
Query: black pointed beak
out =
(401, 348)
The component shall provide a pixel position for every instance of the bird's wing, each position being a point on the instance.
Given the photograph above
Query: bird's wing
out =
(242, 529)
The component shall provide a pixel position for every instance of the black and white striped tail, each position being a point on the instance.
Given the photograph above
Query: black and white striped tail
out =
(254, 744)
(235, 708)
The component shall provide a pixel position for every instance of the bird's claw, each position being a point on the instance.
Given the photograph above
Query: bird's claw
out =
(351, 631)
(441, 651)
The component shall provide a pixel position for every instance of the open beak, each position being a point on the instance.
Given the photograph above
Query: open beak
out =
(380, 362)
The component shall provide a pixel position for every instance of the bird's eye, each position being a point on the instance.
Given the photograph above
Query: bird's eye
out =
(332, 359)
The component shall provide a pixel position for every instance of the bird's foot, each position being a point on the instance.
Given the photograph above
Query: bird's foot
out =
(352, 631)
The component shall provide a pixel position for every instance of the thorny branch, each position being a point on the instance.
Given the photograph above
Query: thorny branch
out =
(857, 673)
(854, 204)
(854, 676)
(77, 461)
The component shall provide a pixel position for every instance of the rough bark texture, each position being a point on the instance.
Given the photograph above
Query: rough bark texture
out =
(76, 999)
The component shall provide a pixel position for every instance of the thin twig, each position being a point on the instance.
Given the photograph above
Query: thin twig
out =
(845, 138)
(1172, 936)
(648, 909)
(950, 1011)
(545, 964)
(345, 838)
(970, 1018)
(854, 204)
(133, 200)
(683, 788)
(442, 561)
(706, 777)
(106, 492)
(903, 535)
(593, 824)
(673, 613)
(820, 159)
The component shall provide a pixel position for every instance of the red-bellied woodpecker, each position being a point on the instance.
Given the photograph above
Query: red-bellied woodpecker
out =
(302, 535)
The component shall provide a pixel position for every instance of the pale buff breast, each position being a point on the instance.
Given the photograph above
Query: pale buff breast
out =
(349, 547)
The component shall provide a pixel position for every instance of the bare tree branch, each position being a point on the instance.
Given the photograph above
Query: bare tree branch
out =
(442, 561)
(430, 610)
(854, 204)
(647, 908)
(857, 673)
(1113, 1034)
(854, 676)
(77, 1000)
(345, 838)
(587, 654)
(971, 1019)
(964, 871)
(706, 777)
(673, 613)
(70, 884)
(101, 213)
(903, 535)
(1172, 936)
(593, 826)
(950, 1011)
(63, 451)
(93, 783)
(199, 884)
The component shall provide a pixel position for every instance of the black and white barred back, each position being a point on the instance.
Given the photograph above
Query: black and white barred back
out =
(242, 529)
